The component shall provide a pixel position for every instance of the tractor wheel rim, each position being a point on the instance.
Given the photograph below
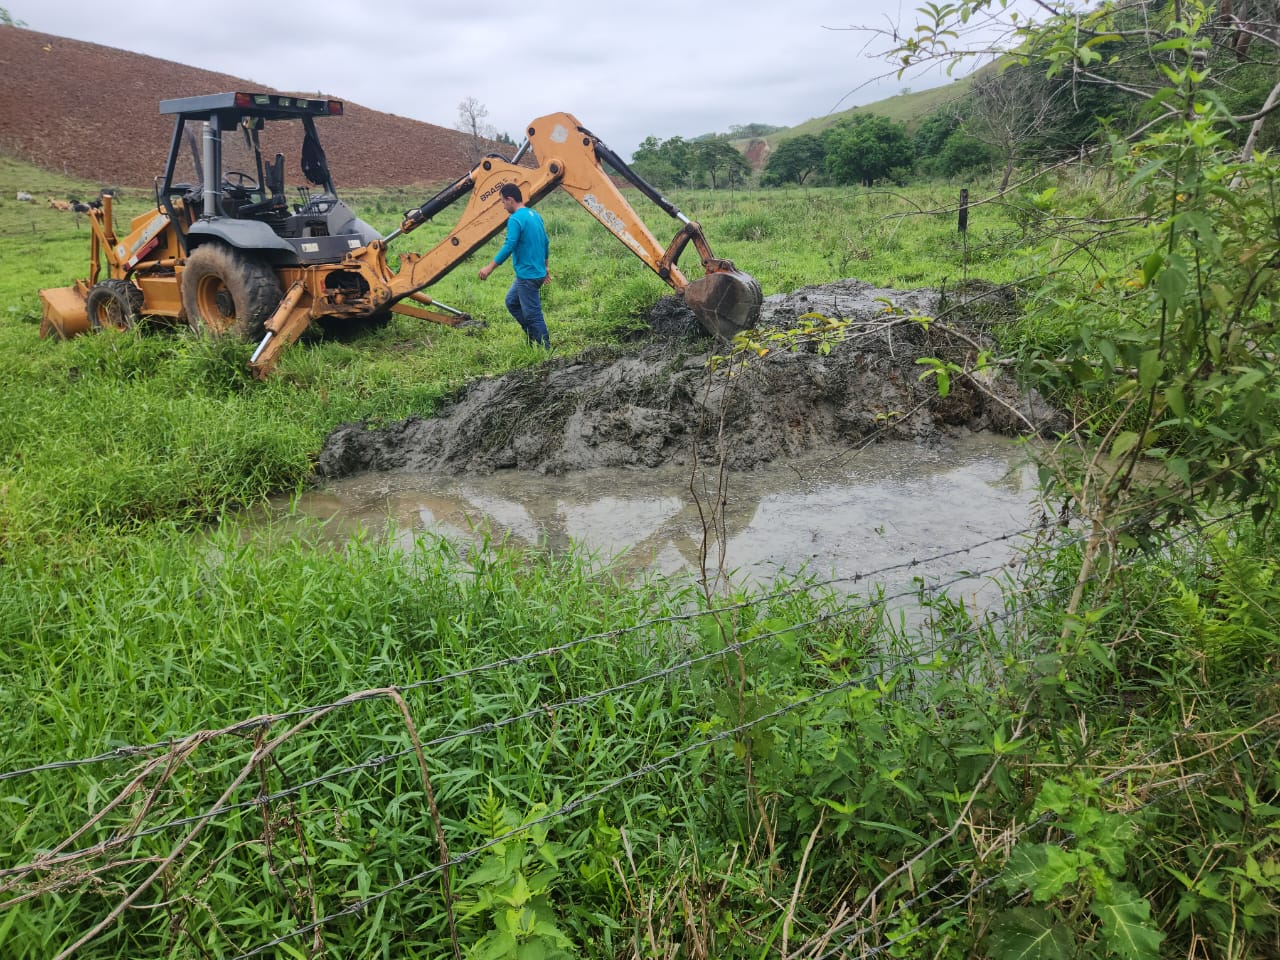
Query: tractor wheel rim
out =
(217, 308)
(108, 315)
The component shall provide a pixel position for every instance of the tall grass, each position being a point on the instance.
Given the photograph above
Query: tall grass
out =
(694, 769)
(614, 769)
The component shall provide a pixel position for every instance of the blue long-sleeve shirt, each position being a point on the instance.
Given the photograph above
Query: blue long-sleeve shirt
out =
(526, 244)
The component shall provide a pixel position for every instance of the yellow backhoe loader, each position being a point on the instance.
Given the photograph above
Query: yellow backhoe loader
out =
(227, 251)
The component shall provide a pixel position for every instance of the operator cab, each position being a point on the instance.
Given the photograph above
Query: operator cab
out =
(230, 182)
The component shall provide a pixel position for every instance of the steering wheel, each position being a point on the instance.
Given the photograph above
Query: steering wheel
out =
(238, 186)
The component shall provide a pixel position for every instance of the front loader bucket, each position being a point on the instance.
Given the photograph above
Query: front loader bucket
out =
(725, 302)
(63, 312)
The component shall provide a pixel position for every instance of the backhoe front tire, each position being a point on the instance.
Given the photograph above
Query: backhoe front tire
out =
(224, 291)
(113, 305)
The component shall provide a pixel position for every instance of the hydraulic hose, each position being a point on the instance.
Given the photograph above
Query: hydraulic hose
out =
(605, 155)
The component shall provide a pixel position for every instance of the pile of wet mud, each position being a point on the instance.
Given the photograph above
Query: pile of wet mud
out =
(658, 400)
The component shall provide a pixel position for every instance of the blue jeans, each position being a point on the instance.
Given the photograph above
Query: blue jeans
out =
(524, 301)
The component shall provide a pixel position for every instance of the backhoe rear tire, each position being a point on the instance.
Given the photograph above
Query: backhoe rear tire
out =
(113, 305)
(225, 291)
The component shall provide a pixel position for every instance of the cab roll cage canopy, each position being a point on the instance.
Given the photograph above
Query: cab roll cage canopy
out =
(227, 111)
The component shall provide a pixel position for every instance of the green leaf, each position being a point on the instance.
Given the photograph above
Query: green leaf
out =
(1110, 842)
(491, 870)
(1061, 869)
(1249, 379)
(1174, 398)
(545, 928)
(1151, 266)
(1081, 372)
(1123, 443)
(1108, 351)
(1172, 283)
(1196, 220)
(1126, 923)
(1020, 870)
(1149, 368)
(1029, 933)
(494, 946)
(944, 382)
(879, 826)
(844, 809)
(519, 894)
(1055, 796)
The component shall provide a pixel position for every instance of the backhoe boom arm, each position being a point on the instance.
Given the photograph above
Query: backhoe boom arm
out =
(569, 157)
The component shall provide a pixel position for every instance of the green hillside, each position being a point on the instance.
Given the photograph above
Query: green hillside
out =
(909, 108)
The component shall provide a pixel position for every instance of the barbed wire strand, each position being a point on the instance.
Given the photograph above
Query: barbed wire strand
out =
(574, 805)
(252, 723)
(808, 586)
(52, 859)
(48, 862)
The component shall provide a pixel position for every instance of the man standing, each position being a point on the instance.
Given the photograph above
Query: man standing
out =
(529, 251)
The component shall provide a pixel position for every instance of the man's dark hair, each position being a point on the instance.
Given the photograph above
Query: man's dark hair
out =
(512, 191)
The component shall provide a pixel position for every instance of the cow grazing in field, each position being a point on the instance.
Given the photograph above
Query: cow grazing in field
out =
(64, 205)
(25, 197)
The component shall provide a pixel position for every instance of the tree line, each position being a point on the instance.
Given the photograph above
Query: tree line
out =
(1016, 112)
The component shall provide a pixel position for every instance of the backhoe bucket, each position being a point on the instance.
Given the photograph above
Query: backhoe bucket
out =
(725, 302)
(63, 312)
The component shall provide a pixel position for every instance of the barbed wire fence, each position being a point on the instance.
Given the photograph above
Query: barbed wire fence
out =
(105, 854)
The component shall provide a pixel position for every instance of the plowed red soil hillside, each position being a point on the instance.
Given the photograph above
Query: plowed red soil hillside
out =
(93, 112)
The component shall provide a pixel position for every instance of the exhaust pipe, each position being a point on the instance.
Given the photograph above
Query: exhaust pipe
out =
(212, 191)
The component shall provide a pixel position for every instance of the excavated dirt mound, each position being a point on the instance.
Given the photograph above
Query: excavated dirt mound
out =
(657, 401)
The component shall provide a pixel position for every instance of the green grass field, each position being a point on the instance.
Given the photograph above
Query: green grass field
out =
(233, 741)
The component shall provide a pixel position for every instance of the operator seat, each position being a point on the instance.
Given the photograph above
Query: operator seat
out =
(273, 180)
(274, 175)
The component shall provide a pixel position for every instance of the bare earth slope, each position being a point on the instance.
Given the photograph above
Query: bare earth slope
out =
(656, 403)
(93, 112)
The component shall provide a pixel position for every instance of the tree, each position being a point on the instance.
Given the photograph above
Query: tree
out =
(1116, 64)
(1009, 109)
(945, 148)
(961, 153)
(664, 164)
(719, 162)
(934, 130)
(472, 122)
(793, 160)
(865, 149)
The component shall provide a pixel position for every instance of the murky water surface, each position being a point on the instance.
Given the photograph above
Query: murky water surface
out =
(863, 517)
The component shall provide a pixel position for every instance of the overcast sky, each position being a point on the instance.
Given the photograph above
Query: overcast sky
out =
(626, 71)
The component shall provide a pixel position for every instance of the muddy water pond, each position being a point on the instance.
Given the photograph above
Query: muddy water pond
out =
(858, 517)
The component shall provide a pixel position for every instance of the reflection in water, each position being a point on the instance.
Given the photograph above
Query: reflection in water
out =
(846, 517)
